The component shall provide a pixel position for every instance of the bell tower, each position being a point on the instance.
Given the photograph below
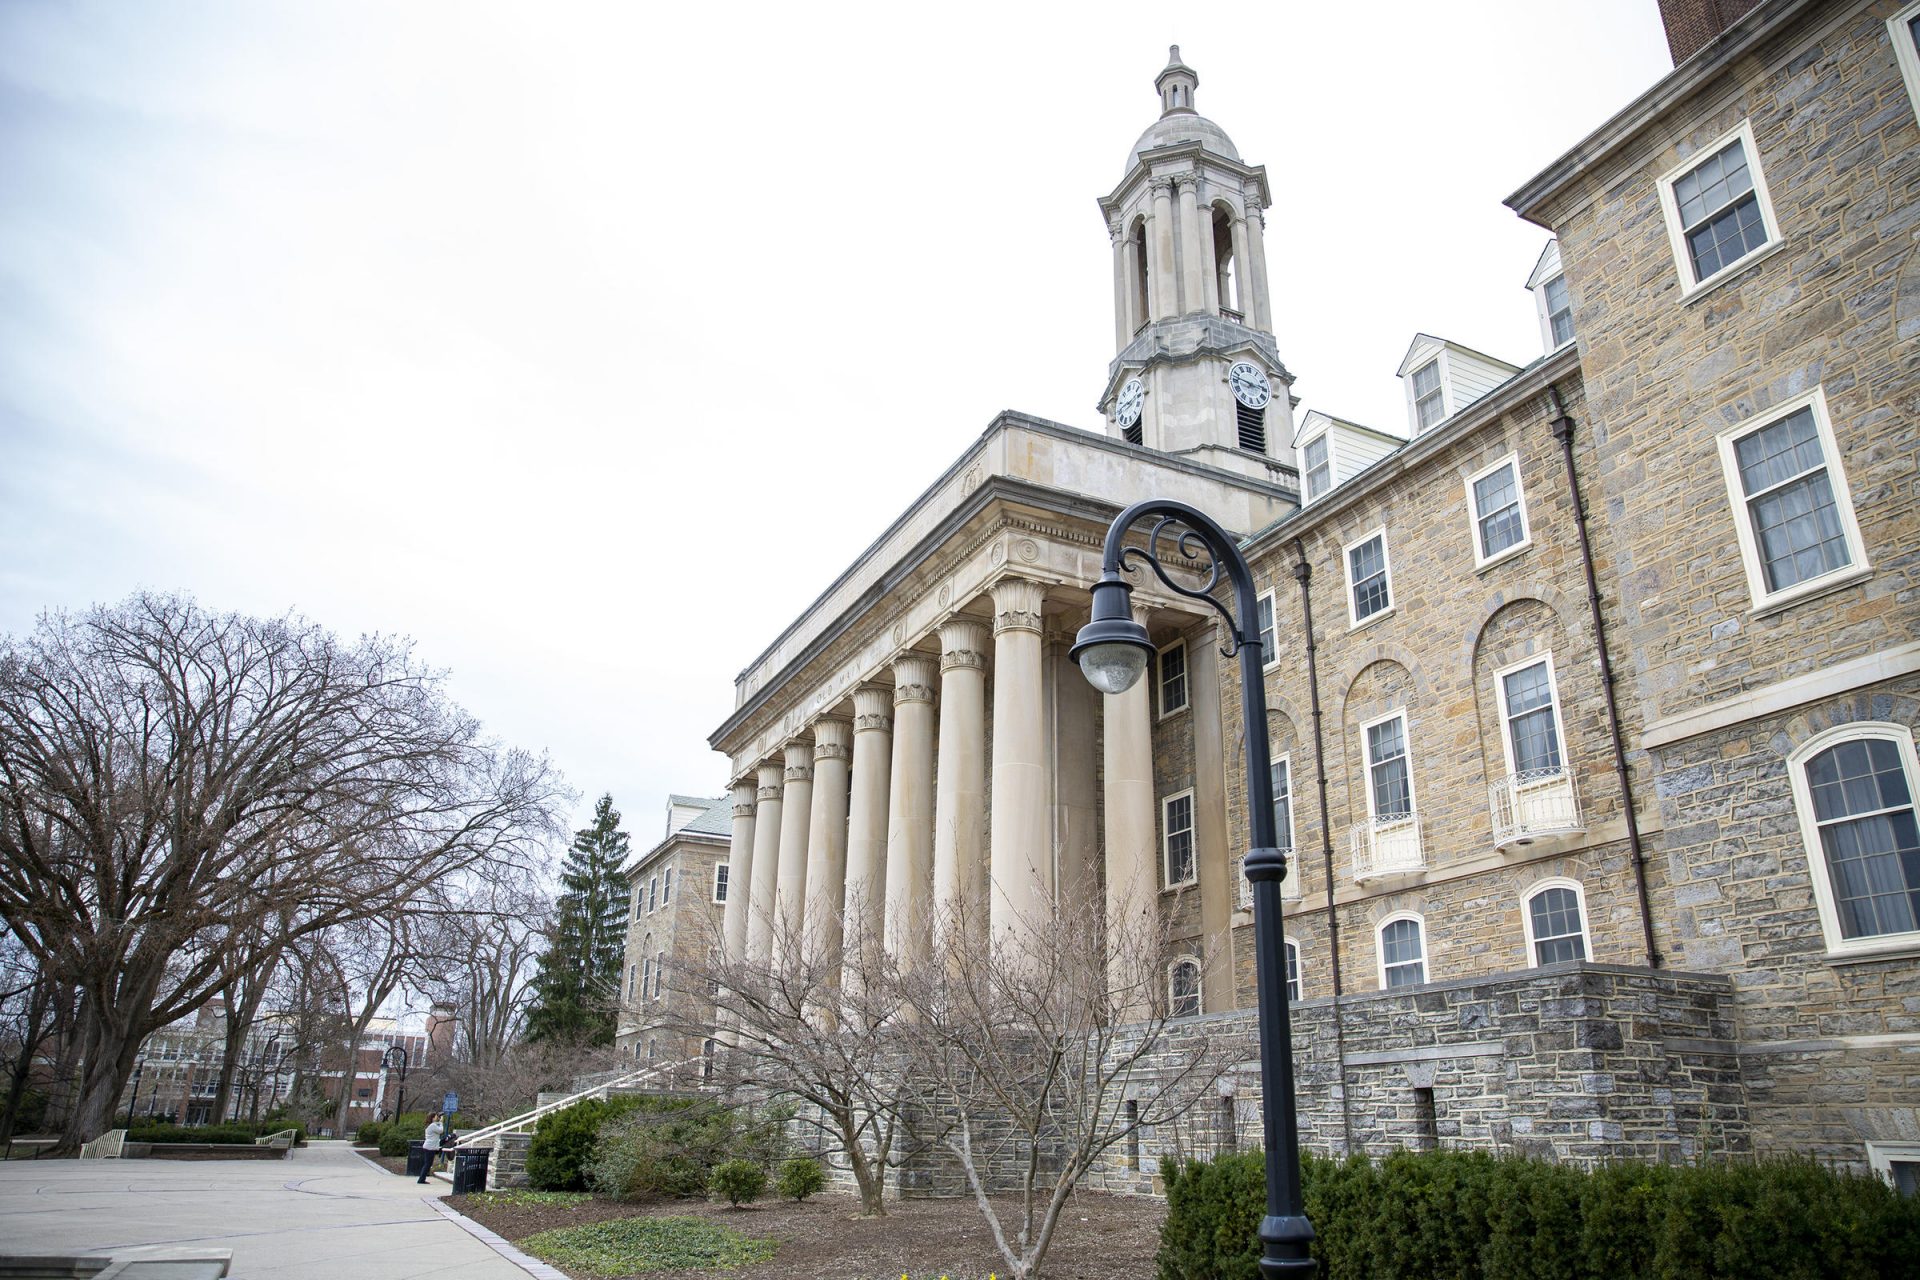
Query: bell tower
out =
(1196, 370)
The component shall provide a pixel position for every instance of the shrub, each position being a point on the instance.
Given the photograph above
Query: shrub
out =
(663, 1147)
(236, 1134)
(398, 1133)
(738, 1181)
(368, 1134)
(563, 1142)
(1475, 1215)
(800, 1178)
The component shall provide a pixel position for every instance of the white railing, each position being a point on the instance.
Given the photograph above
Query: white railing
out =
(1534, 803)
(525, 1122)
(1388, 846)
(1243, 887)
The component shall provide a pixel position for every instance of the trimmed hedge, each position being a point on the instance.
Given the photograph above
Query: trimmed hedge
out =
(1483, 1217)
(236, 1134)
(564, 1141)
(738, 1182)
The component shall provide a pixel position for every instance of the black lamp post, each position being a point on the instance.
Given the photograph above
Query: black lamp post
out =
(1114, 650)
(386, 1060)
(133, 1101)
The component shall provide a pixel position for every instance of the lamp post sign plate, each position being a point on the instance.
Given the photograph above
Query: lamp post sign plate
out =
(450, 1103)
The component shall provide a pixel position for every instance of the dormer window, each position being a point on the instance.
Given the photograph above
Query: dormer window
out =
(1429, 398)
(1319, 462)
(1559, 311)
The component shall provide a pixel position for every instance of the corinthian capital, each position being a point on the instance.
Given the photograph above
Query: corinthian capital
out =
(1017, 605)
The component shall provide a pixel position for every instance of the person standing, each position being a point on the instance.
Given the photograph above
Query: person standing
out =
(431, 1146)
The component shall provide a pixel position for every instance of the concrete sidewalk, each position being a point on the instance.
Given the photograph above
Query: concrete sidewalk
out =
(322, 1214)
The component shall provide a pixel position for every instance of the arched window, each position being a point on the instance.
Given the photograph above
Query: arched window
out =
(1403, 951)
(659, 974)
(1183, 988)
(1293, 970)
(1853, 787)
(1226, 270)
(1555, 912)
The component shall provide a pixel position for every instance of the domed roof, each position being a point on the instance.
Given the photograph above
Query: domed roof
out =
(1183, 126)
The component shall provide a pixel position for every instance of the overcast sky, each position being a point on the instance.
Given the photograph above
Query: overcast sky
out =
(585, 344)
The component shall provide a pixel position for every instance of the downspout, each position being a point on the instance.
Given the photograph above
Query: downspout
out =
(1303, 574)
(1563, 432)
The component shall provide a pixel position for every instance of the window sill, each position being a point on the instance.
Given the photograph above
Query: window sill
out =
(1519, 548)
(1902, 946)
(1184, 884)
(1168, 715)
(1813, 590)
(1370, 619)
(1689, 296)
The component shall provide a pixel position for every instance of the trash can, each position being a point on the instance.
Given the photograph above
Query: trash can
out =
(470, 1170)
(417, 1157)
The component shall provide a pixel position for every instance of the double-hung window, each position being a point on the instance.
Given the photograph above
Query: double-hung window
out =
(1283, 807)
(1173, 677)
(1318, 457)
(666, 887)
(1389, 782)
(1499, 511)
(1183, 988)
(721, 871)
(1904, 29)
(1532, 717)
(1403, 952)
(653, 894)
(1263, 606)
(1369, 582)
(1854, 790)
(1429, 396)
(1176, 842)
(1293, 970)
(1793, 515)
(1718, 214)
(1556, 922)
(1559, 311)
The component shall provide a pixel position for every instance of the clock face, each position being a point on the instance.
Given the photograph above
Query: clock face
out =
(1126, 410)
(1250, 386)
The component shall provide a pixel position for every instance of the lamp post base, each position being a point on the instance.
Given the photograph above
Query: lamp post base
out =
(1289, 1249)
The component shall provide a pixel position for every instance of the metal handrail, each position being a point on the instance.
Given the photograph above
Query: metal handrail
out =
(520, 1123)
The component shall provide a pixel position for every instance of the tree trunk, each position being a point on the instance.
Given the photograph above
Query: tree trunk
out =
(37, 1006)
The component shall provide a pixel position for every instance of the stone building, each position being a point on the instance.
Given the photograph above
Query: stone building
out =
(1592, 685)
(678, 889)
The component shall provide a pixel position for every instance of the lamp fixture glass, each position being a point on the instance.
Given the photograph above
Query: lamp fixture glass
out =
(1113, 667)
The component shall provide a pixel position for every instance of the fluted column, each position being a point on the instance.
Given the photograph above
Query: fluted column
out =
(1133, 879)
(827, 837)
(1193, 273)
(1209, 263)
(766, 865)
(1123, 330)
(1260, 306)
(1022, 854)
(910, 810)
(796, 815)
(866, 897)
(959, 809)
(1161, 281)
(1130, 268)
(733, 919)
(1241, 267)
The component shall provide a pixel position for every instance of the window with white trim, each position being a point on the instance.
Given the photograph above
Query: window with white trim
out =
(1183, 988)
(1903, 28)
(1499, 511)
(1854, 791)
(1318, 456)
(1403, 951)
(1293, 970)
(1898, 1163)
(1559, 304)
(646, 975)
(666, 887)
(1793, 514)
(1176, 840)
(653, 894)
(721, 871)
(1718, 213)
(1389, 777)
(633, 980)
(659, 973)
(1283, 806)
(1429, 395)
(1556, 919)
(1530, 719)
(1369, 578)
(1173, 677)
(1263, 609)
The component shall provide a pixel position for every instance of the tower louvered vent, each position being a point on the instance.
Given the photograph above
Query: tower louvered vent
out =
(1253, 427)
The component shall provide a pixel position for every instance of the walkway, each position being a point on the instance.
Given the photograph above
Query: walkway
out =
(321, 1214)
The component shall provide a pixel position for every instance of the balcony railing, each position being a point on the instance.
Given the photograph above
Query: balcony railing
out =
(1243, 887)
(1534, 803)
(1235, 316)
(1388, 846)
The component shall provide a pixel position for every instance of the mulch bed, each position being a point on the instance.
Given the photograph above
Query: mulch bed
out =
(1101, 1236)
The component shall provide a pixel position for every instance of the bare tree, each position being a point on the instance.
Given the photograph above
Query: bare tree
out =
(31, 1009)
(487, 971)
(1040, 1052)
(166, 772)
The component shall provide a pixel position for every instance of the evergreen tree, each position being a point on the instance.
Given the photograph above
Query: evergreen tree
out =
(578, 984)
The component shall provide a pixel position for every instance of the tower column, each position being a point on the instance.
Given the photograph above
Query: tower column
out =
(1209, 260)
(827, 839)
(1122, 322)
(910, 810)
(1022, 869)
(766, 865)
(959, 809)
(866, 895)
(1242, 269)
(1131, 319)
(1161, 281)
(733, 919)
(1193, 273)
(1132, 878)
(1260, 310)
(796, 815)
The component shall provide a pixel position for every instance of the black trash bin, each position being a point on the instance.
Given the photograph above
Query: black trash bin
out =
(470, 1170)
(417, 1157)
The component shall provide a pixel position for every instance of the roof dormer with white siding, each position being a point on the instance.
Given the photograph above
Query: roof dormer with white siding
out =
(1551, 301)
(1334, 450)
(1443, 377)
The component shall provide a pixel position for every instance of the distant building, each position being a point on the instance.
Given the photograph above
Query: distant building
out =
(678, 889)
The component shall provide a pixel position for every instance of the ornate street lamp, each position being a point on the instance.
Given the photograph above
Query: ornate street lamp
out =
(1113, 651)
(386, 1060)
(139, 1064)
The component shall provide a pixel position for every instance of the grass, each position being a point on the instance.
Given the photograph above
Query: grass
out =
(524, 1195)
(623, 1246)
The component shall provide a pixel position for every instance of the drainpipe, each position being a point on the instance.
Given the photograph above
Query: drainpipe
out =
(1563, 432)
(1303, 574)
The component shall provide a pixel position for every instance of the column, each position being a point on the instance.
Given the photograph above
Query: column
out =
(827, 842)
(1123, 329)
(1259, 307)
(1133, 881)
(1209, 261)
(1022, 855)
(1242, 265)
(733, 926)
(1161, 281)
(1212, 858)
(1193, 273)
(1073, 745)
(766, 865)
(910, 810)
(1130, 268)
(866, 896)
(796, 815)
(959, 808)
